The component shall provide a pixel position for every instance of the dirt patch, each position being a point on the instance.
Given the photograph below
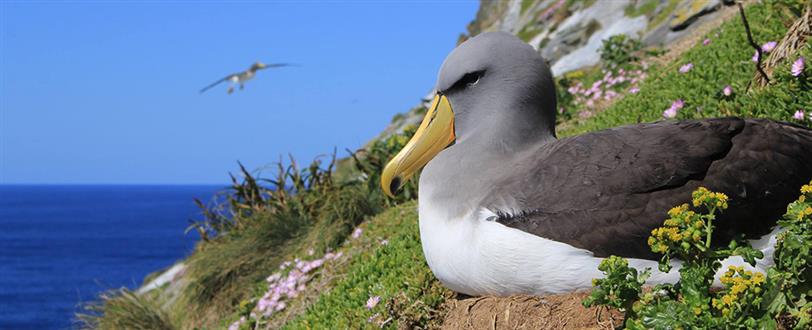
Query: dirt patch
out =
(562, 311)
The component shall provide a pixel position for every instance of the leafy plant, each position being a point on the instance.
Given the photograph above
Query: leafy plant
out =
(369, 162)
(746, 300)
(620, 50)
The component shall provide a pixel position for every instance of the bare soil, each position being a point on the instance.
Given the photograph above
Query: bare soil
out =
(563, 311)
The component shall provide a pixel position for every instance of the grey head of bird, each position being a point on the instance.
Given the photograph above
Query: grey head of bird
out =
(257, 66)
(495, 93)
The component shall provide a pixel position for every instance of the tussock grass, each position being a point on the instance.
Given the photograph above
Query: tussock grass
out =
(124, 309)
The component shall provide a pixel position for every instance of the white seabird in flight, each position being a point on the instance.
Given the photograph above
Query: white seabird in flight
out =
(240, 78)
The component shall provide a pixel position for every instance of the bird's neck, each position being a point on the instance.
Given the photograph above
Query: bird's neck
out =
(462, 176)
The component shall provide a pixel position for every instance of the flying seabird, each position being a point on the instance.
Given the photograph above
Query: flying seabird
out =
(506, 208)
(241, 77)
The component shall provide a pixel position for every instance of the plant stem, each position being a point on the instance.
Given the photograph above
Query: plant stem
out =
(709, 227)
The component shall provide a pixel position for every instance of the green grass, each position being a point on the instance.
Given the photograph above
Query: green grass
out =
(228, 270)
(124, 309)
(646, 8)
(525, 5)
(725, 61)
(397, 272)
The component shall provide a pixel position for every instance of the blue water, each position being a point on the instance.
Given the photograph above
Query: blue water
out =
(62, 245)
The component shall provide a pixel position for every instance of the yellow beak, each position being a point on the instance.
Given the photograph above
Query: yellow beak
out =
(435, 133)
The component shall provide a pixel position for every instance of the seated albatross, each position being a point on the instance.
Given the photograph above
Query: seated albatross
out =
(506, 208)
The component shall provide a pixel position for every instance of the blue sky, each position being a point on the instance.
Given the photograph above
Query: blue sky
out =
(107, 92)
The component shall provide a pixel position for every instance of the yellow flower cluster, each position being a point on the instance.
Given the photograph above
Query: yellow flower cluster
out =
(738, 283)
(703, 196)
(806, 189)
(682, 228)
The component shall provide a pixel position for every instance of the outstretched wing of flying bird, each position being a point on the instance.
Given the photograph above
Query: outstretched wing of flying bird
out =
(276, 65)
(226, 78)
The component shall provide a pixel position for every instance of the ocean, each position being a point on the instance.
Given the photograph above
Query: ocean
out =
(60, 246)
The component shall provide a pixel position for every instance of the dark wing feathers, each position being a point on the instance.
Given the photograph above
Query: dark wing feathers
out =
(606, 191)
(217, 82)
(277, 65)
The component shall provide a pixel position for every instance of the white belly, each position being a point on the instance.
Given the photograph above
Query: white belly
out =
(475, 256)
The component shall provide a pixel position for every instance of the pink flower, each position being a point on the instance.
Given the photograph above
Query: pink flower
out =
(671, 112)
(385, 242)
(237, 323)
(706, 42)
(685, 68)
(356, 233)
(765, 48)
(634, 90)
(798, 67)
(373, 301)
(727, 91)
(799, 115)
(280, 306)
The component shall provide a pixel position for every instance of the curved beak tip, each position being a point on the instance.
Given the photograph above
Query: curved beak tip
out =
(394, 186)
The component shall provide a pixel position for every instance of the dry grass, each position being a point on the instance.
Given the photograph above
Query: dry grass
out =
(789, 46)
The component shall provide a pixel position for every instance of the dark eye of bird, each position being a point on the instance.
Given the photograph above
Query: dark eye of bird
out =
(468, 80)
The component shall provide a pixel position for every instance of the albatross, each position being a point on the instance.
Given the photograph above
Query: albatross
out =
(507, 208)
(239, 78)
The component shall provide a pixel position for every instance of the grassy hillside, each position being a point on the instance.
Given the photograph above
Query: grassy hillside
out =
(352, 258)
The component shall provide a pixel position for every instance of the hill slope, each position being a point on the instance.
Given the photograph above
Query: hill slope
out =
(340, 254)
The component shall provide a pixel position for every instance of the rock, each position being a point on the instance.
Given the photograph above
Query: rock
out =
(610, 20)
(689, 11)
(569, 39)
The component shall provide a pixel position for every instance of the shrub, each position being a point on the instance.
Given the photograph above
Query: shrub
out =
(746, 300)
(620, 50)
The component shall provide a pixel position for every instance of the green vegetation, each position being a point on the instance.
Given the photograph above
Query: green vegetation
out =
(725, 61)
(620, 50)
(124, 309)
(647, 7)
(410, 296)
(526, 5)
(664, 14)
(748, 299)
(261, 223)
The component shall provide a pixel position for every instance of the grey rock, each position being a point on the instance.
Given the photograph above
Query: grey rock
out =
(688, 12)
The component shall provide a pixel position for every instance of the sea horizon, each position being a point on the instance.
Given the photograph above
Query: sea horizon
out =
(64, 244)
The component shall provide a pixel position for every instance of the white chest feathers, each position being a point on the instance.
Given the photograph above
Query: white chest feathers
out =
(475, 256)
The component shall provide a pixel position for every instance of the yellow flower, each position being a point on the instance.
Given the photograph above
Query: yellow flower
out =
(807, 188)
(758, 278)
(677, 210)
